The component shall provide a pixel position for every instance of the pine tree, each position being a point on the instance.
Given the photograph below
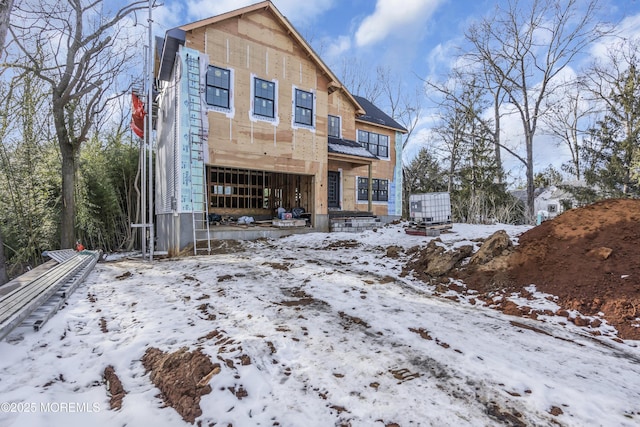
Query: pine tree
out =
(612, 152)
(424, 174)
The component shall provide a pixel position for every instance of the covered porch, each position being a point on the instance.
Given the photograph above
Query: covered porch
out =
(348, 161)
(349, 165)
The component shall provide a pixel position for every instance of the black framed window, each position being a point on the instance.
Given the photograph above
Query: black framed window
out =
(304, 108)
(264, 98)
(375, 143)
(334, 126)
(218, 87)
(380, 190)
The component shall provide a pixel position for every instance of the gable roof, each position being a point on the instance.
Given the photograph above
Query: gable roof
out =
(376, 116)
(334, 82)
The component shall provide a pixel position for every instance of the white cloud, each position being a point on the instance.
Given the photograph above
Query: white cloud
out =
(168, 16)
(629, 28)
(338, 47)
(388, 18)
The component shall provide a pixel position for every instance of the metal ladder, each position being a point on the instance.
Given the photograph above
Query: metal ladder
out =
(199, 205)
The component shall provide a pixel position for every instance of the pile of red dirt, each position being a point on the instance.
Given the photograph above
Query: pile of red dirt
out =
(587, 257)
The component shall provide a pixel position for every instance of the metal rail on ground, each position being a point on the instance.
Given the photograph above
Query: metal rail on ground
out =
(47, 292)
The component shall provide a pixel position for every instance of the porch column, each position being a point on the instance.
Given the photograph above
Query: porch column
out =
(370, 207)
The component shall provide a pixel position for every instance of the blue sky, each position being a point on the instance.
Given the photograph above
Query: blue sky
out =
(410, 35)
(416, 39)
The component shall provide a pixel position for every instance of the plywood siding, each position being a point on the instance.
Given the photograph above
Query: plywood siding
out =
(257, 45)
(340, 105)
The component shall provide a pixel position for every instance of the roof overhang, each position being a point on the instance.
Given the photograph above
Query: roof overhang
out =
(367, 122)
(173, 39)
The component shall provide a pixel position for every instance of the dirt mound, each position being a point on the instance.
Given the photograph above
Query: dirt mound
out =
(587, 257)
(182, 377)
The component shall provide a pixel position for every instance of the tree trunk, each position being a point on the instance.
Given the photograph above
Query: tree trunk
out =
(530, 184)
(67, 217)
(4, 278)
(496, 137)
(5, 13)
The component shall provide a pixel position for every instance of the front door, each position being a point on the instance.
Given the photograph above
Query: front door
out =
(333, 190)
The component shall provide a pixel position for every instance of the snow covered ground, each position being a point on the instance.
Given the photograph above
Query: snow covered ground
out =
(336, 336)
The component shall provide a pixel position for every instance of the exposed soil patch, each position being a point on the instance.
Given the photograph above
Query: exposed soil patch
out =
(103, 325)
(182, 377)
(394, 251)
(346, 244)
(124, 275)
(278, 266)
(352, 319)
(114, 388)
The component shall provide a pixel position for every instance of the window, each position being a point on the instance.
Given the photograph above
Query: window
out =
(304, 108)
(334, 126)
(380, 189)
(552, 208)
(376, 144)
(264, 98)
(218, 87)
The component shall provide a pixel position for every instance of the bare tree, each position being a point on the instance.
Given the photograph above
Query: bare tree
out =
(568, 120)
(405, 107)
(481, 82)
(355, 75)
(79, 52)
(524, 46)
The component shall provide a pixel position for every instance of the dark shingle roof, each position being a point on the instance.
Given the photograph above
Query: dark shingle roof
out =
(351, 148)
(375, 115)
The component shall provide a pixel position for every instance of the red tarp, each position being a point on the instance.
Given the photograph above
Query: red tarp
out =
(137, 116)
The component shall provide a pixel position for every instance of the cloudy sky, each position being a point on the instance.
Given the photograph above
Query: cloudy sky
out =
(416, 39)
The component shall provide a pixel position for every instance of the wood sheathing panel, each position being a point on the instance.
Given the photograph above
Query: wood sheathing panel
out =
(256, 44)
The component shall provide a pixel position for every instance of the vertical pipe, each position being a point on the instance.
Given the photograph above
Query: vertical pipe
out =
(143, 180)
(150, 128)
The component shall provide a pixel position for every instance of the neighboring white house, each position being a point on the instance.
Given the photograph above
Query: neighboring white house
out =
(552, 201)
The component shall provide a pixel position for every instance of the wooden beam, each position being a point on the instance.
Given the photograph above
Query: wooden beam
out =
(370, 208)
(356, 160)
